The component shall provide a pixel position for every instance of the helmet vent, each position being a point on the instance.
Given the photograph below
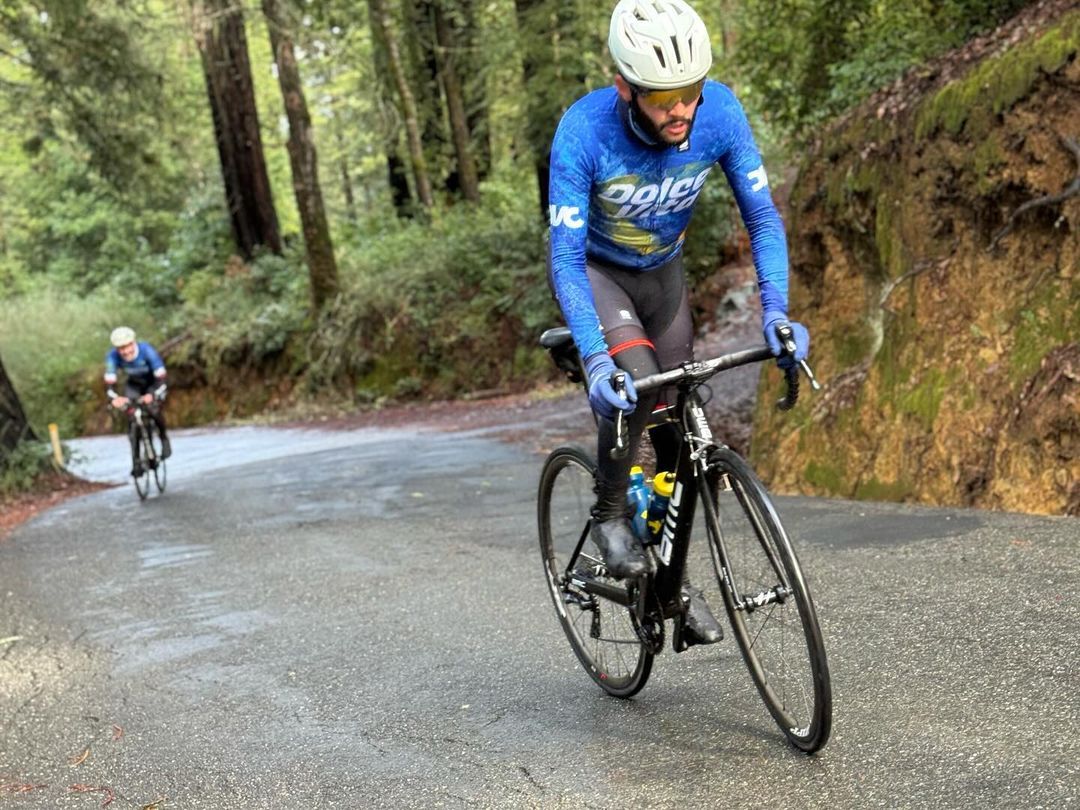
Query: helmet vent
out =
(675, 45)
(660, 55)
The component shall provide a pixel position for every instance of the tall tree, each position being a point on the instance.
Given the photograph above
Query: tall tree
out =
(455, 105)
(14, 426)
(397, 171)
(380, 23)
(222, 43)
(475, 65)
(423, 68)
(530, 16)
(322, 266)
(559, 43)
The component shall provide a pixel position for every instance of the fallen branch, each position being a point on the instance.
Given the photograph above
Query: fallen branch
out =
(1070, 190)
(110, 796)
(19, 787)
(81, 758)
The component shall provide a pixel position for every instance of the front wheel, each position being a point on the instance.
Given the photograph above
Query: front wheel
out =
(768, 601)
(600, 631)
(142, 481)
(153, 436)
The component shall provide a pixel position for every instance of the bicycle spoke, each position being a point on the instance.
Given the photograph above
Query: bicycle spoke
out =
(773, 618)
(599, 630)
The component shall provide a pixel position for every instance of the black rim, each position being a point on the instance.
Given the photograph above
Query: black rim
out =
(775, 621)
(159, 462)
(600, 632)
(142, 482)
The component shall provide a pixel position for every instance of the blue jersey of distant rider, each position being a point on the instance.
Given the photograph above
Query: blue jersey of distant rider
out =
(141, 370)
(623, 202)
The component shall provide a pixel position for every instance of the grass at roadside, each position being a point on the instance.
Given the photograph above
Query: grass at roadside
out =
(48, 335)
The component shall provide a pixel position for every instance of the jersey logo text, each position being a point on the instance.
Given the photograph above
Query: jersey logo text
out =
(761, 180)
(667, 197)
(567, 215)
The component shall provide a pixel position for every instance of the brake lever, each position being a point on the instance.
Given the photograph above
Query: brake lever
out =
(787, 338)
(622, 446)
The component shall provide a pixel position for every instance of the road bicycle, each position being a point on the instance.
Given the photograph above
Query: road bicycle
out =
(146, 438)
(616, 627)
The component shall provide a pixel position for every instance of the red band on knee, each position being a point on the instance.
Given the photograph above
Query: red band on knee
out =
(614, 350)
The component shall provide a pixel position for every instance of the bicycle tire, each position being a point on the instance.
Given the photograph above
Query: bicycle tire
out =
(781, 642)
(601, 632)
(153, 436)
(142, 481)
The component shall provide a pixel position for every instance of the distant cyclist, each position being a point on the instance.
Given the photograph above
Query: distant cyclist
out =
(144, 381)
(627, 165)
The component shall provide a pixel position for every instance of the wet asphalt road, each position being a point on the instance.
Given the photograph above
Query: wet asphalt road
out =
(358, 619)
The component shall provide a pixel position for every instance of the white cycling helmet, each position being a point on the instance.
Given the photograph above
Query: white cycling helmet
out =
(659, 44)
(122, 336)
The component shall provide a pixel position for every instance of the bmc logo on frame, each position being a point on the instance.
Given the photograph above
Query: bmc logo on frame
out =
(568, 215)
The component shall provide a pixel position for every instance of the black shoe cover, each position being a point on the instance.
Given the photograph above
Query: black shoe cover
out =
(701, 627)
(623, 552)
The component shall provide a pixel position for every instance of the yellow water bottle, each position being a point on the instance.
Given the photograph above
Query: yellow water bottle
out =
(663, 486)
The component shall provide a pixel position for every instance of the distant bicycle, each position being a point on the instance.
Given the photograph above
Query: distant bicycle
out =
(147, 448)
(616, 626)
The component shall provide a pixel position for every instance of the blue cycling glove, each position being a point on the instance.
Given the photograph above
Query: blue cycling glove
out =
(602, 396)
(773, 318)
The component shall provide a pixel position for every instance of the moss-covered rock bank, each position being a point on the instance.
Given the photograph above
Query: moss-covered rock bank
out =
(946, 329)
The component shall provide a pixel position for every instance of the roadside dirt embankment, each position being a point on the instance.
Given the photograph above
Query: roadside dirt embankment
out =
(936, 254)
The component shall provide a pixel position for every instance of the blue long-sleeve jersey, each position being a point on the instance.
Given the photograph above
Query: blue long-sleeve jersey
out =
(146, 367)
(623, 202)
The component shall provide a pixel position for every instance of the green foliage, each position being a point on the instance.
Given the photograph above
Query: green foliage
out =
(97, 144)
(21, 468)
(970, 104)
(241, 315)
(1050, 318)
(831, 54)
(449, 303)
(51, 337)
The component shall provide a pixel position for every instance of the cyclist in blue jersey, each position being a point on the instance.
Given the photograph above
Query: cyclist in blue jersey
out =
(144, 380)
(627, 164)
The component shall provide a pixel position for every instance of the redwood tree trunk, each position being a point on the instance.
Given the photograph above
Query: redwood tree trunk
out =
(14, 426)
(397, 170)
(455, 105)
(423, 67)
(303, 159)
(476, 102)
(380, 21)
(529, 13)
(219, 33)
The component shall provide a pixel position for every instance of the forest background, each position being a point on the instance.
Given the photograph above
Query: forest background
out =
(328, 202)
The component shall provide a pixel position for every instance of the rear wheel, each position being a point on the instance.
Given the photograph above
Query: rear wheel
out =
(768, 601)
(600, 631)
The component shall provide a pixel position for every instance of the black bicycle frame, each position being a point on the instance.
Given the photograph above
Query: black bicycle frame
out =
(674, 543)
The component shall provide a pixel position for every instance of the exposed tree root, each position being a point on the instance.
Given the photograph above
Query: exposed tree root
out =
(1070, 190)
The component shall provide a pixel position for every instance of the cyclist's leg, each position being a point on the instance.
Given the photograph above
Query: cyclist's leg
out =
(646, 322)
(630, 349)
(157, 413)
(132, 393)
(147, 386)
(673, 336)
